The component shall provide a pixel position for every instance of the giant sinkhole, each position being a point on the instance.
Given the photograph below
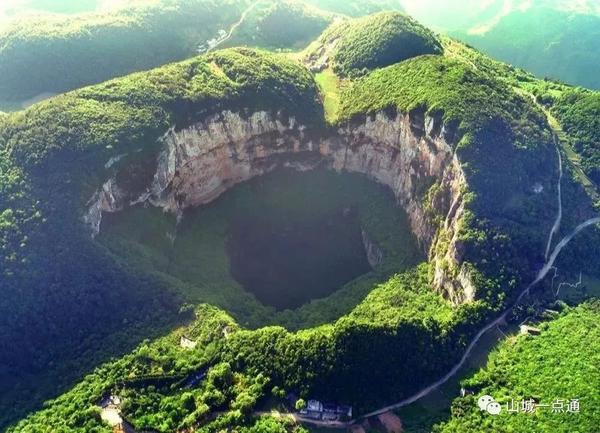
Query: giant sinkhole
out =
(276, 242)
(279, 223)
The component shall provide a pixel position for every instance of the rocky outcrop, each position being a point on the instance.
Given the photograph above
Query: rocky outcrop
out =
(108, 199)
(374, 253)
(410, 153)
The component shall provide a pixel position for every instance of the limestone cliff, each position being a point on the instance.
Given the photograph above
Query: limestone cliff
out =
(374, 253)
(108, 199)
(409, 153)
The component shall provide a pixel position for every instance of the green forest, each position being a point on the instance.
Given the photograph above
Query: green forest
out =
(375, 41)
(245, 366)
(560, 364)
(45, 184)
(281, 25)
(42, 54)
(42, 59)
(564, 42)
(83, 318)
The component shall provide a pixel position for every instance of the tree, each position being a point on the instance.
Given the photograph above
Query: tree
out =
(300, 404)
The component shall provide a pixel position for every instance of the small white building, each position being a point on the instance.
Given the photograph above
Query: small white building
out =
(111, 410)
(326, 411)
(529, 330)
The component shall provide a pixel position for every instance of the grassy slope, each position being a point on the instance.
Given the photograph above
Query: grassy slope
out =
(330, 87)
(398, 37)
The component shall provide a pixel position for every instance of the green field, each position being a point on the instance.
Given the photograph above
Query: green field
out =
(329, 86)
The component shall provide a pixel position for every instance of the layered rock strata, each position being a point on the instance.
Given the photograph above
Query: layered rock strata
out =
(410, 153)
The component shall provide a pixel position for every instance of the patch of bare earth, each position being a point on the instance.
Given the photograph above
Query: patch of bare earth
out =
(391, 422)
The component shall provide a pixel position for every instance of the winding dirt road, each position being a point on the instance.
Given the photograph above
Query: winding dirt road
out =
(558, 220)
(550, 259)
(540, 276)
(234, 26)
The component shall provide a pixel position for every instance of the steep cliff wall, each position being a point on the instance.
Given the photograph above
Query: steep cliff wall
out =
(411, 154)
(374, 253)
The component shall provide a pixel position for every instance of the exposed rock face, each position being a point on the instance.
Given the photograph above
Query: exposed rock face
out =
(108, 199)
(374, 253)
(408, 153)
(321, 57)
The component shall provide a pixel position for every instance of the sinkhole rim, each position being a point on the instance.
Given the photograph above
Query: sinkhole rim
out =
(143, 228)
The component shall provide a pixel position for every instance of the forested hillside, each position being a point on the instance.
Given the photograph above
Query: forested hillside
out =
(281, 25)
(579, 114)
(357, 8)
(48, 54)
(554, 368)
(82, 317)
(564, 43)
(56, 54)
(55, 308)
(359, 45)
(244, 367)
(453, 89)
(550, 38)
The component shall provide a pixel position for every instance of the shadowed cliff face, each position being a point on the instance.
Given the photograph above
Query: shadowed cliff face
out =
(411, 154)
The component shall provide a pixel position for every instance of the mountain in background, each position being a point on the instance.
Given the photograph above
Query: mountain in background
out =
(551, 38)
(87, 37)
(468, 145)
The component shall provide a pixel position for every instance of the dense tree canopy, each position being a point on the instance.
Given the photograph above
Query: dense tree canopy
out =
(55, 53)
(579, 114)
(503, 144)
(560, 364)
(362, 44)
(69, 302)
(52, 158)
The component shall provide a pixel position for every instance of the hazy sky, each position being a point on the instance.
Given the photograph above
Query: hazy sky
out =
(477, 16)
(9, 8)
